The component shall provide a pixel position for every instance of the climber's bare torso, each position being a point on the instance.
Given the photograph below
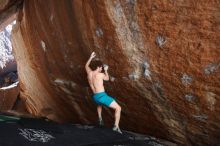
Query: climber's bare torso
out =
(96, 81)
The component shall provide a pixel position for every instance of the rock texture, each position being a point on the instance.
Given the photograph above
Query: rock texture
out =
(8, 97)
(164, 60)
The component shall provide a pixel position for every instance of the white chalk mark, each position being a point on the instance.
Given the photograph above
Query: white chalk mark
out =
(36, 135)
(43, 45)
(51, 17)
(112, 79)
(190, 97)
(186, 79)
(99, 32)
(64, 82)
(160, 40)
(133, 76)
(147, 72)
(202, 118)
(211, 68)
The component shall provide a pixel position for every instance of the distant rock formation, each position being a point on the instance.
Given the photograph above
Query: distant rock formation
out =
(7, 61)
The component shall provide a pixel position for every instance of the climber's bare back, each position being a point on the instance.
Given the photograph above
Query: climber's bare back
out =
(96, 81)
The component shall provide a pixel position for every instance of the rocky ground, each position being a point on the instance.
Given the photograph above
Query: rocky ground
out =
(43, 132)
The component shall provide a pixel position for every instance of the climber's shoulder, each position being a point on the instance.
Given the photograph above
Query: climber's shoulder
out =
(100, 75)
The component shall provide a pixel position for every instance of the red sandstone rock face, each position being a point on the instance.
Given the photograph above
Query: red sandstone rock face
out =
(163, 57)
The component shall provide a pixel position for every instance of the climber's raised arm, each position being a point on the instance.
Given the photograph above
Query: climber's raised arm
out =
(88, 69)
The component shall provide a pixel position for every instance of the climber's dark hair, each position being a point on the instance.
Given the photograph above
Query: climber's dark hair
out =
(95, 63)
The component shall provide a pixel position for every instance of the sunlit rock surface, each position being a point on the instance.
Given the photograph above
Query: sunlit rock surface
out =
(164, 60)
(7, 61)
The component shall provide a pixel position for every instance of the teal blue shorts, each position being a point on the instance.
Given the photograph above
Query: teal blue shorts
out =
(102, 98)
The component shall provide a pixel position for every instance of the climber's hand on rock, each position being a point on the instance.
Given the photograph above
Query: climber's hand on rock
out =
(105, 67)
(92, 55)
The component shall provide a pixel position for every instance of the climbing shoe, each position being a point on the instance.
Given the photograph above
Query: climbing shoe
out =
(100, 123)
(116, 129)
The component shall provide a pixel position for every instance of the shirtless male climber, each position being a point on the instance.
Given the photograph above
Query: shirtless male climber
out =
(95, 79)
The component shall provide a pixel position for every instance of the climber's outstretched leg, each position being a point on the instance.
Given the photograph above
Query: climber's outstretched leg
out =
(114, 105)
